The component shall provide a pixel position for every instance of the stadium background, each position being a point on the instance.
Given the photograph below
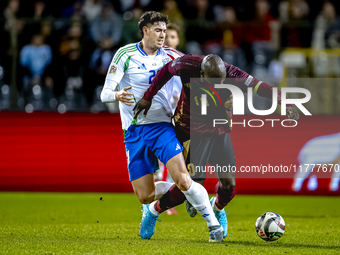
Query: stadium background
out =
(58, 136)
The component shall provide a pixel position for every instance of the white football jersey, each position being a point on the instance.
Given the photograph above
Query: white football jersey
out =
(131, 66)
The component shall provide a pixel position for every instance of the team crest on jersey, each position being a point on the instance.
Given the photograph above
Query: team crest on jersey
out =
(113, 70)
(166, 60)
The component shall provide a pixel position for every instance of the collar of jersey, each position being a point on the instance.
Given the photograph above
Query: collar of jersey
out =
(143, 52)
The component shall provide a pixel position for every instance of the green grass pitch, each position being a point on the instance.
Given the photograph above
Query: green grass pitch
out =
(72, 223)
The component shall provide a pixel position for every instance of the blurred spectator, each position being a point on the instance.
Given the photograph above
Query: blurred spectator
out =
(297, 30)
(34, 58)
(73, 68)
(12, 29)
(106, 30)
(76, 33)
(263, 27)
(51, 37)
(128, 4)
(33, 24)
(232, 34)
(324, 21)
(131, 31)
(92, 9)
(40, 10)
(74, 10)
(200, 24)
(172, 36)
(71, 75)
(229, 28)
(170, 8)
(333, 29)
(74, 55)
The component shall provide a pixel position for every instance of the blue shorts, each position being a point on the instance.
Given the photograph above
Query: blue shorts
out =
(145, 143)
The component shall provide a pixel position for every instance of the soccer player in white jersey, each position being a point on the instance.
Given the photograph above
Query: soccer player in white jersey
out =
(324, 150)
(150, 137)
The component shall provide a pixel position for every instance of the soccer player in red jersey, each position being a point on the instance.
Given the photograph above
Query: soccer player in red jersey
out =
(202, 141)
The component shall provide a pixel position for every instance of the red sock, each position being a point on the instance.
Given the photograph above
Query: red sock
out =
(170, 199)
(224, 196)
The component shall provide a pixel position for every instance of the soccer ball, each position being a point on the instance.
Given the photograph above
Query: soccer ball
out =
(270, 226)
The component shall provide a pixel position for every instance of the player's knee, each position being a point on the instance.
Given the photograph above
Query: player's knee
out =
(184, 183)
(146, 198)
(228, 184)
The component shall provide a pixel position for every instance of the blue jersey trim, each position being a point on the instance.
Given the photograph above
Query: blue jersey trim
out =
(143, 52)
(140, 49)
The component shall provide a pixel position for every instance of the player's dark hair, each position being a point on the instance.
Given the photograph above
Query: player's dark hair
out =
(213, 66)
(149, 18)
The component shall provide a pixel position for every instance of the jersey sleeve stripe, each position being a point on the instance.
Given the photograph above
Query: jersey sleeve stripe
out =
(256, 87)
(127, 63)
(123, 53)
(172, 58)
(123, 49)
(173, 50)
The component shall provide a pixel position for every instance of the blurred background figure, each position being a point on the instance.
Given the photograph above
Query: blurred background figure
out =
(230, 31)
(76, 9)
(106, 32)
(199, 22)
(296, 28)
(263, 27)
(324, 22)
(332, 24)
(34, 58)
(70, 70)
(324, 150)
(10, 40)
(106, 29)
(170, 8)
(131, 31)
(92, 9)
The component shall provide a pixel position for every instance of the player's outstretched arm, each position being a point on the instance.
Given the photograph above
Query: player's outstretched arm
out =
(244, 80)
(141, 105)
(110, 95)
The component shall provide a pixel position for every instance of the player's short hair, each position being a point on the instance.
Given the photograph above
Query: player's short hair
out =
(212, 66)
(173, 26)
(149, 18)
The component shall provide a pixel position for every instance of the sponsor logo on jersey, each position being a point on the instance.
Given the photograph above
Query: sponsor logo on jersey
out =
(142, 66)
(178, 147)
(113, 70)
(154, 64)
